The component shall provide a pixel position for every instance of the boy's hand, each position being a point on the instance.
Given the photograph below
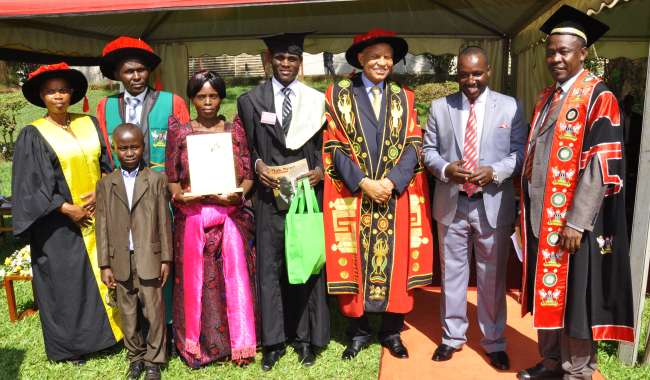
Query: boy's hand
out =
(164, 273)
(107, 278)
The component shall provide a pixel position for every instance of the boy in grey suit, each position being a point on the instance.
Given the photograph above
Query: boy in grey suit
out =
(473, 145)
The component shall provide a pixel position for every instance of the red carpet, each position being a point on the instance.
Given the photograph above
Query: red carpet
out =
(422, 335)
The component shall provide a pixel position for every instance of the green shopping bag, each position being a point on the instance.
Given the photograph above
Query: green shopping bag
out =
(304, 235)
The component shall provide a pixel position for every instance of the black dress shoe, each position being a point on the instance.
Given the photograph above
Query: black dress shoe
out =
(396, 347)
(152, 372)
(353, 348)
(540, 372)
(135, 370)
(443, 353)
(499, 360)
(306, 355)
(77, 362)
(270, 357)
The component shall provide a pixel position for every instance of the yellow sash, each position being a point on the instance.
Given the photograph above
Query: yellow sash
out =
(78, 153)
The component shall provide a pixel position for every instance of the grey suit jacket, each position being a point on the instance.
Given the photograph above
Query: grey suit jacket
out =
(502, 146)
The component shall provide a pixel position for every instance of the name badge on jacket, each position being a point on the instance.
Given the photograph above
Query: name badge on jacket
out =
(268, 118)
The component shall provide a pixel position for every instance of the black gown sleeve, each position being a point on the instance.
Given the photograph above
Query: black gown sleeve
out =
(34, 186)
(245, 113)
(105, 164)
(317, 154)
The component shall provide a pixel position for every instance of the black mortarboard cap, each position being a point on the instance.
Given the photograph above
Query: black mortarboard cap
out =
(286, 42)
(568, 20)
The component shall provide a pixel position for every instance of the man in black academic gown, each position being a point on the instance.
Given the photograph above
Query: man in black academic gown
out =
(283, 119)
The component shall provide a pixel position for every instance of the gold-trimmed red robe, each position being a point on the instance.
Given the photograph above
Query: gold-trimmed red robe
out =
(376, 253)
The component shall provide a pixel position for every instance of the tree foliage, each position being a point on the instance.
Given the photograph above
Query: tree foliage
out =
(11, 106)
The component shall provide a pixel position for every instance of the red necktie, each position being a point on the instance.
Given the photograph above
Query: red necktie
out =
(528, 162)
(470, 148)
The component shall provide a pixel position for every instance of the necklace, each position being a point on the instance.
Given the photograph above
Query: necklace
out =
(65, 126)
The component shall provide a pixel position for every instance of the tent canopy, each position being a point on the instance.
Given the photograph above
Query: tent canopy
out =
(233, 30)
(21, 8)
(76, 30)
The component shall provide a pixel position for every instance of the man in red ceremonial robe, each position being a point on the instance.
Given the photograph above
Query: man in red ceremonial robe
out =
(131, 61)
(376, 205)
(577, 269)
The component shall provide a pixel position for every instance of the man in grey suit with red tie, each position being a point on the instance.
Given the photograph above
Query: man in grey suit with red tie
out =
(473, 145)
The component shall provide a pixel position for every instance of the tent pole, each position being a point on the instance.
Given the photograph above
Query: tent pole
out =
(507, 43)
(640, 245)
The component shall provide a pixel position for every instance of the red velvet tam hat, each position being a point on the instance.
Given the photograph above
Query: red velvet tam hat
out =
(376, 36)
(76, 80)
(124, 47)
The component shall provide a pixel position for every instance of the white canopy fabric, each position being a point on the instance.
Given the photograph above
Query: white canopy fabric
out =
(432, 26)
(629, 36)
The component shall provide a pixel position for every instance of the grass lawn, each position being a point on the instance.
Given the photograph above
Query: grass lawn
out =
(613, 369)
(22, 355)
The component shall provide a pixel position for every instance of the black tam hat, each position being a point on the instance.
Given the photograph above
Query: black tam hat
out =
(568, 20)
(291, 43)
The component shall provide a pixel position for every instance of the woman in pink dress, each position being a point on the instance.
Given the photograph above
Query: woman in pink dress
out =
(214, 312)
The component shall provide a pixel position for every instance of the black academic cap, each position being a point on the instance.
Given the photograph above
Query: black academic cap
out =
(568, 20)
(286, 42)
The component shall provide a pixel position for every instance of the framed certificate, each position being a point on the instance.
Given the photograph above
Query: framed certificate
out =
(211, 162)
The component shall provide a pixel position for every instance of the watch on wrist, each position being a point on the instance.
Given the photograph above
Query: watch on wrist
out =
(495, 177)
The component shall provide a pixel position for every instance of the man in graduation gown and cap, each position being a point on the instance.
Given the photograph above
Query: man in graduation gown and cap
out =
(576, 263)
(376, 207)
(283, 119)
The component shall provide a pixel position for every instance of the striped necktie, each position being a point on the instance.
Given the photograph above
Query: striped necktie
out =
(286, 110)
(470, 149)
(552, 108)
(132, 103)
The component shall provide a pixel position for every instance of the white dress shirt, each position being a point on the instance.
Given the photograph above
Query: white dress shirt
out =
(278, 99)
(129, 184)
(138, 108)
(278, 96)
(479, 109)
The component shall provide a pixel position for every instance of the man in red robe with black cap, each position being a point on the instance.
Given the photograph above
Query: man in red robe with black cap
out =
(283, 118)
(576, 262)
(376, 207)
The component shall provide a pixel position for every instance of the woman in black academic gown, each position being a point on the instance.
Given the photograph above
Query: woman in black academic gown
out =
(58, 159)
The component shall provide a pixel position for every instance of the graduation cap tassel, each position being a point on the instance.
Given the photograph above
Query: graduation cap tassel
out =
(86, 107)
